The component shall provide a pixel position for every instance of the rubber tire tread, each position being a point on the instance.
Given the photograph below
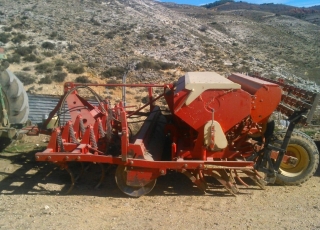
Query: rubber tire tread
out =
(302, 139)
(15, 96)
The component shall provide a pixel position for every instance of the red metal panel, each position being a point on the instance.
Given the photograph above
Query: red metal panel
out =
(230, 107)
(266, 95)
(74, 102)
(140, 176)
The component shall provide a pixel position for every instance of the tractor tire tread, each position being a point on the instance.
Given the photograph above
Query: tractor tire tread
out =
(306, 142)
(15, 96)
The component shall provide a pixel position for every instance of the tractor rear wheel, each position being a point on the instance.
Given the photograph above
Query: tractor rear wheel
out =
(15, 97)
(302, 147)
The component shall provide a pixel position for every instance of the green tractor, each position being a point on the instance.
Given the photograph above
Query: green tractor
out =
(14, 106)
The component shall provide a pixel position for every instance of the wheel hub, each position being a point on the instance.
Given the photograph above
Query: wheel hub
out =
(302, 161)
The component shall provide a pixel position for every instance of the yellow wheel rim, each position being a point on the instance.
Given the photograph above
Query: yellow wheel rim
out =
(303, 161)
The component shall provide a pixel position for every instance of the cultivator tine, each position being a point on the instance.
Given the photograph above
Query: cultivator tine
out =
(103, 172)
(201, 177)
(197, 181)
(72, 181)
(239, 179)
(101, 177)
(231, 177)
(81, 172)
(224, 179)
(108, 168)
(257, 173)
(256, 178)
(64, 166)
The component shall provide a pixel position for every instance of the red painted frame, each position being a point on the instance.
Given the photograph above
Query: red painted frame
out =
(187, 149)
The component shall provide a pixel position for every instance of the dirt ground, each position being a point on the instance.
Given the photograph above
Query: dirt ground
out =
(30, 199)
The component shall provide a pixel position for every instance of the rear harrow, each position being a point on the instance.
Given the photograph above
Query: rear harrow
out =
(213, 127)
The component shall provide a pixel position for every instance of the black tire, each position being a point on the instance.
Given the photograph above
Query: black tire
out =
(302, 147)
(15, 97)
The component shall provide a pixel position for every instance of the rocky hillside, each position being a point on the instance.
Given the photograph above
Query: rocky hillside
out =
(52, 41)
(310, 14)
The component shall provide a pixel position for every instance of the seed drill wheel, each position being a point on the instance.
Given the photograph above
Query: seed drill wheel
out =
(15, 97)
(134, 191)
(305, 150)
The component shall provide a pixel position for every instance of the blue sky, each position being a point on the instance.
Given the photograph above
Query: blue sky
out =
(299, 3)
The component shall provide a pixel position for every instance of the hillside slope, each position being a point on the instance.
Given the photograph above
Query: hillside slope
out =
(156, 42)
(277, 43)
(310, 14)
